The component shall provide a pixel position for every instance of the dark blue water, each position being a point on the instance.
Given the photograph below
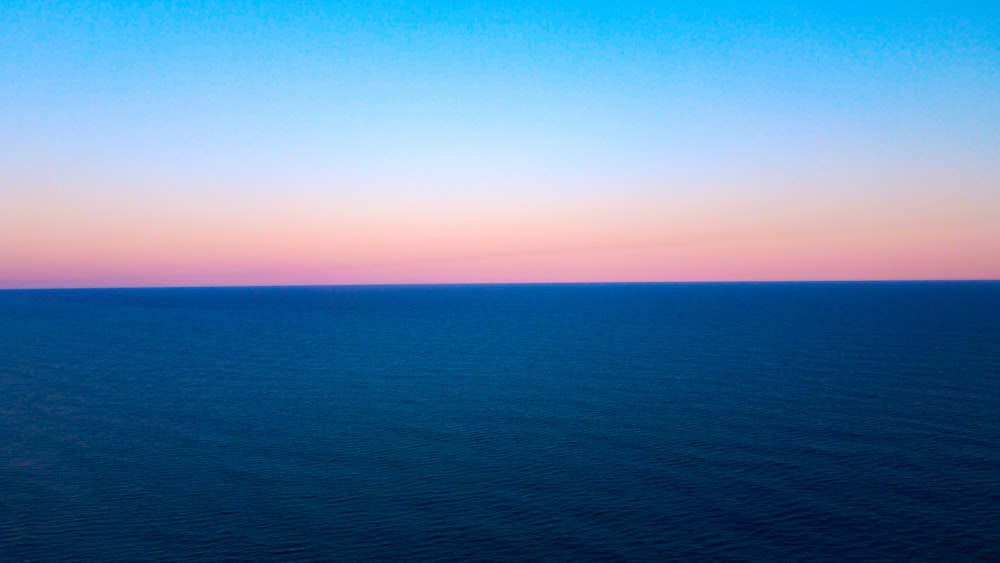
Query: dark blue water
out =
(612, 422)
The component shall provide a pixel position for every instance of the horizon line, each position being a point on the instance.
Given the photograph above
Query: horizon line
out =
(516, 283)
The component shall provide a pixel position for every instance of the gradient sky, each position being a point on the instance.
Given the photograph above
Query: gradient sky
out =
(272, 143)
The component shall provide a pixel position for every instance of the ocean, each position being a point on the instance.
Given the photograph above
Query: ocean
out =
(632, 422)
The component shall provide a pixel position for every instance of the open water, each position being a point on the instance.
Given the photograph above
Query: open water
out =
(819, 421)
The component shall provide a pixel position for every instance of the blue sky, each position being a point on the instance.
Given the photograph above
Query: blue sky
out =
(461, 107)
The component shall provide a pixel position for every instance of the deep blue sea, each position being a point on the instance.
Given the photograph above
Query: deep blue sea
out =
(772, 421)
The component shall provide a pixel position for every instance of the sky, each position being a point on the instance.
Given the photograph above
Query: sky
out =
(285, 143)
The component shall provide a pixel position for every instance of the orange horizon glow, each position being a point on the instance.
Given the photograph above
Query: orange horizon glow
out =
(127, 241)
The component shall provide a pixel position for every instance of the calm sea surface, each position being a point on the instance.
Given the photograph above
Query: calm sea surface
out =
(563, 422)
